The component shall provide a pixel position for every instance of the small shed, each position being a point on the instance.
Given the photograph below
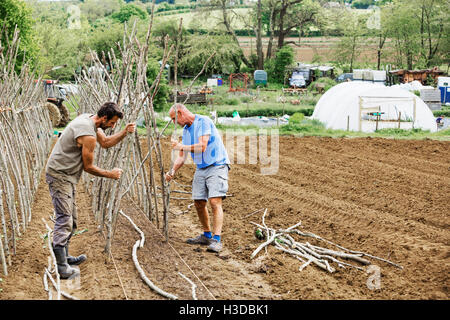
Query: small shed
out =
(405, 76)
(432, 98)
(444, 88)
(260, 77)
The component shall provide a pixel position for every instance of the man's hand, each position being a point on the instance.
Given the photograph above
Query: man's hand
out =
(130, 127)
(176, 145)
(169, 175)
(116, 173)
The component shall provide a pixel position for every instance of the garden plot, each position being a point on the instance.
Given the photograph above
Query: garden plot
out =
(383, 197)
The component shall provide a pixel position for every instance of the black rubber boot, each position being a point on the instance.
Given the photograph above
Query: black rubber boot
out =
(65, 271)
(74, 260)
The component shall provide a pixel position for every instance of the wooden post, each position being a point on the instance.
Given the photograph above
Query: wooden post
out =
(399, 118)
(359, 115)
(348, 123)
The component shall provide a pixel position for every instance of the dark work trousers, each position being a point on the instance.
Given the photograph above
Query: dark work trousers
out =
(63, 198)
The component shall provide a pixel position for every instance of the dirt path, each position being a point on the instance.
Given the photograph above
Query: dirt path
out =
(388, 198)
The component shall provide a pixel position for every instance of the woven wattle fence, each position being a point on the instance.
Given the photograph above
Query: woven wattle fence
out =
(25, 142)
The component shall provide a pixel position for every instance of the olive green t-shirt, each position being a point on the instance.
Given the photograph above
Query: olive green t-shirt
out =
(65, 161)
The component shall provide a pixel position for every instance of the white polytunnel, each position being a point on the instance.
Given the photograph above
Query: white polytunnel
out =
(365, 106)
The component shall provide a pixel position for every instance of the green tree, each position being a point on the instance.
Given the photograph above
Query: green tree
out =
(60, 46)
(281, 18)
(434, 28)
(418, 30)
(106, 36)
(168, 28)
(199, 48)
(352, 42)
(93, 10)
(225, 7)
(127, 11)
(403, 30)
(276, 67)
(162, 97)
(296, 14)
(16, 13)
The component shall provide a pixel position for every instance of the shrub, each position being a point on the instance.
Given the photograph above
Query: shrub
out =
(231, 101)
(276, 67)
(245, 99)
(296, 118)
(445, 113)
(305, 127)
(127, 11)
(266, 112)
(329, 83)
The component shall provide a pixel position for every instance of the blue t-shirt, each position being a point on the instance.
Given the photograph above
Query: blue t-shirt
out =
(215, 153)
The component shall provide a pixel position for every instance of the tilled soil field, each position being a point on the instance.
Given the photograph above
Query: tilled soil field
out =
(387, 198)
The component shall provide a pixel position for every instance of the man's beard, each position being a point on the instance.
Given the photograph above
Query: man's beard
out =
(103, 126)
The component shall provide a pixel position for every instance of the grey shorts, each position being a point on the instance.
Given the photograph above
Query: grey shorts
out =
(210, 182)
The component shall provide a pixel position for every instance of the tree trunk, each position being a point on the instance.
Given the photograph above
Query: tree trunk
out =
(259, 48)
(231, 31)
(381, 42)
(281, 31)
(272, 32)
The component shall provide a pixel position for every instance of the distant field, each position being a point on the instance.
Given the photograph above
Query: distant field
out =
(308, 50)
(199, 19)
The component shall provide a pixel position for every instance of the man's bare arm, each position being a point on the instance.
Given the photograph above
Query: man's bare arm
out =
(199, 147)
(87, 153)
(176, 165)
(110, 141)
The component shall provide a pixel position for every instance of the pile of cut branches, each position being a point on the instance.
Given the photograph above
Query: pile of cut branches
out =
(292, 241)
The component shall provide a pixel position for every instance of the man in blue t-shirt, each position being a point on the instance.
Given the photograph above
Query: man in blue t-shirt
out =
(202, 140)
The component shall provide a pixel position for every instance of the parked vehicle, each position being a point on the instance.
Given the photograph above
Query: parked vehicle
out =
(56, 95)
(297, 80)
(345, 77)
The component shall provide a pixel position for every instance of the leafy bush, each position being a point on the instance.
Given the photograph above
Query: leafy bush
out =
(265, 112)
(445, 113)
(306, 126)
(127, 11)
(18, 14)
(276, 67)
(231, 101)
(245, 99)
(199, 48)
(162, 96)
(296, 118)
(329, 83)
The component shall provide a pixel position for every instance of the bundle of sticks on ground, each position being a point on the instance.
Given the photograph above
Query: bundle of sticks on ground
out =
(284, 240)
